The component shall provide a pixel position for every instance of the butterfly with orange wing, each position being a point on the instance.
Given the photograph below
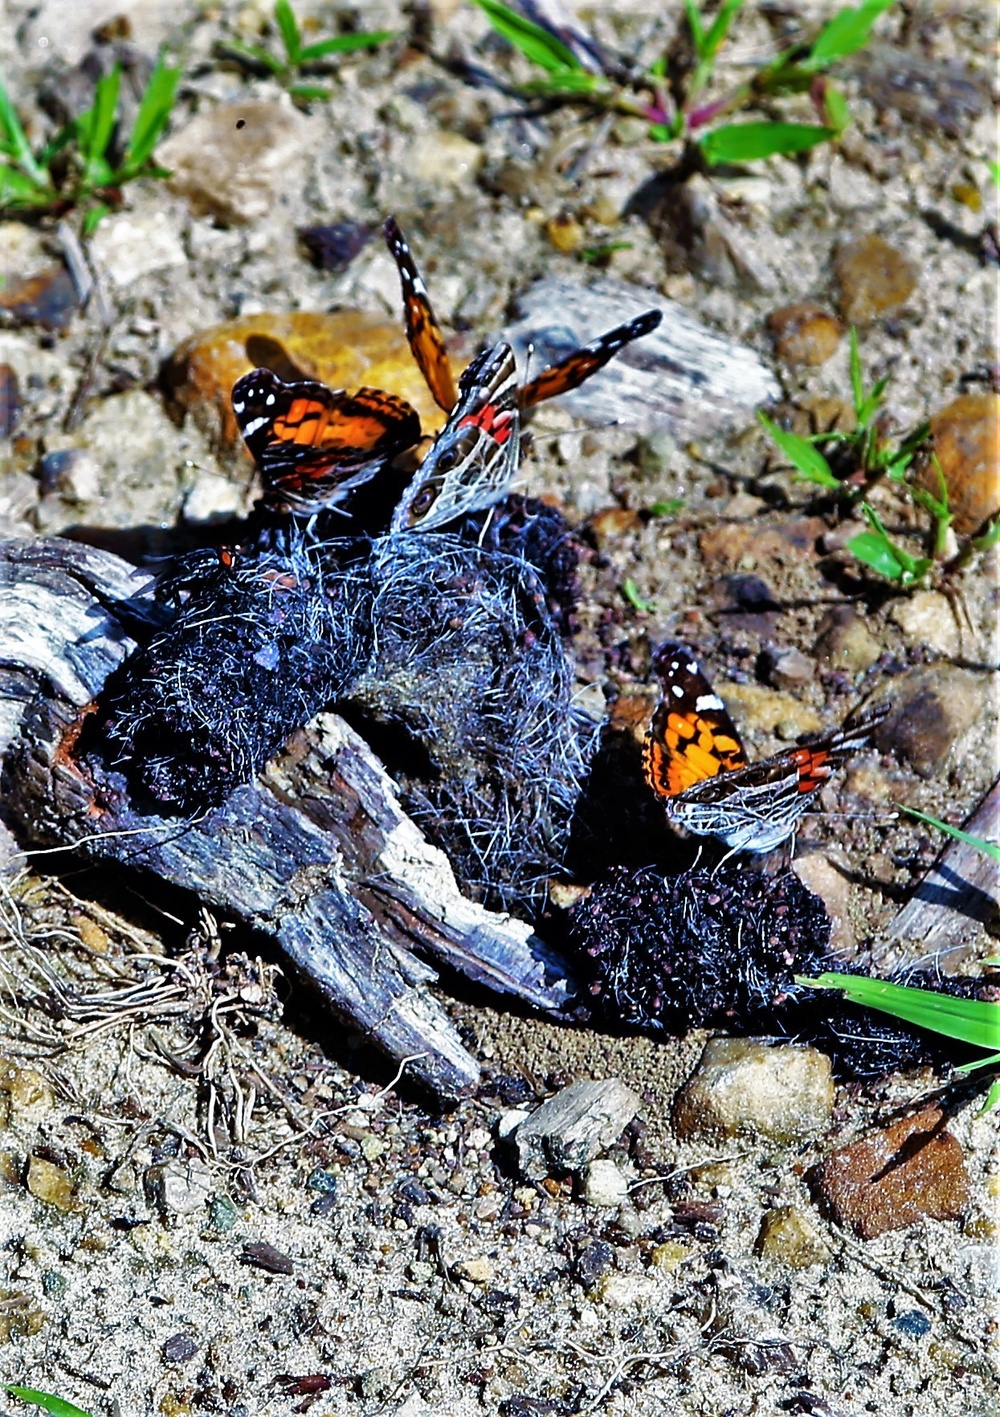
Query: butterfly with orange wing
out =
(696, 764)
(314, 444)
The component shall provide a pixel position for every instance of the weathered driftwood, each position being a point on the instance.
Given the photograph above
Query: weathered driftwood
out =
(957, 897)
(684, 378)
(317, 853)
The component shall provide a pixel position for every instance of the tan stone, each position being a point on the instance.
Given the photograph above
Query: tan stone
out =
(743, 1086)
(792, 1236)
(966, 437)
(874, 277)
(805, 334)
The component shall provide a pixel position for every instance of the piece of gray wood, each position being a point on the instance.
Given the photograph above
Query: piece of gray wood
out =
(684, 378)
(956, 899)
(570, 1128)
(316, 853)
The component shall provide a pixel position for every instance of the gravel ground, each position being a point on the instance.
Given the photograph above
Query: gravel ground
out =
(335, 1244)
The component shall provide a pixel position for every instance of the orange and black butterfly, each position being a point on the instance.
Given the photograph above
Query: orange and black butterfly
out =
(314, 444)
(431, 354)
(696, 764)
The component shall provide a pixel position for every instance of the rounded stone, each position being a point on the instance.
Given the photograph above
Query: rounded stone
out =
(927, 620)
(874, 277)
(743, 1086)
(792, 1236)
(845, 641)
(966, 437)
(805, 334)
(604, 1184)
(445, 159)
(932, 708)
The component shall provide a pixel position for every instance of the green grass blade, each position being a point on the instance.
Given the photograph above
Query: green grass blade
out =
(849, 29)
(15, 141)
(857, 377)
(288, 25)
(696, 27)
(95, 126)
(572, 82)
(806, 459)
(534, 42)
(344, 44)
(972, 1021)
(877, 550)
(631, 593)
(19, 192)
(154, 110)
(988, 848)
(251, 54)
(56, 1406)
(749, 142)
(309, 93)
(720, 28)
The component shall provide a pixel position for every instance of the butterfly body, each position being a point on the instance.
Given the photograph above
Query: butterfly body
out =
(696, 764)
(474, 459)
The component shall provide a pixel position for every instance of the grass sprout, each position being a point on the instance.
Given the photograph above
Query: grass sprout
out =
(849, 464)
(631, 593)
(975, 1022)
(300, 59)
(675, 110)
(47, 1401)
(88, 161)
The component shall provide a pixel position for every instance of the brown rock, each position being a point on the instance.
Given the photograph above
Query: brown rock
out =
(743, 1086)
(769, 710)
(845, 641)
(874, 277)
(744, 545)
(791, 1235)
(932, 708)
(48, 299)
(891, 1177)
(819, 875)
(966, 437)
(343, 350)
(231, 161)
(804, 334)
(612, 522)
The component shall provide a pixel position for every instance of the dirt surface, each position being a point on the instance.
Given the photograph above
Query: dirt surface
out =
(413, 1271)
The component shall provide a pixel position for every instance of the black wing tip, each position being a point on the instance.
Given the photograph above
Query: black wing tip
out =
(393, 233)
(644, 324)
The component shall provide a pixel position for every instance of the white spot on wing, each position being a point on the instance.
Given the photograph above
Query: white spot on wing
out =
(709, 701)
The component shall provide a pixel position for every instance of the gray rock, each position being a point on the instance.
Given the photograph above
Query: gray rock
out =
(604, 1184)
(571, 1128)
(932, 709)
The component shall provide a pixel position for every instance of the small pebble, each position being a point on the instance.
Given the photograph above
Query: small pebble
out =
(845, 642)
(892, 1177)
(222, 1214)
(72, 472)
(48, 299)
(565, 233)
(444, 159)
(260, 1255)
(788, 668)
(790, 1234)
(179, 1186)
(334, 247)
(213, 498)
(932, 708)
(670, 1255)
(874, 277)
(926, 617)
(966, 438)
(913, 1323)
(478, 1270)
(179, 1348)
(592, 1263)
(743, 1086)
(51, 1183)
(320, 1180)
(805, 334)
(130, 245)
(604, 1184)
(10, 400)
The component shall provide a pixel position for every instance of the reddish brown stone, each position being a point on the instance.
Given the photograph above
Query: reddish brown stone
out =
(966, 437)
(804, 334)
(892, 1177)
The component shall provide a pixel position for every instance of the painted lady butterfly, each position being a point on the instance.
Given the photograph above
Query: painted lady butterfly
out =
(696, 764)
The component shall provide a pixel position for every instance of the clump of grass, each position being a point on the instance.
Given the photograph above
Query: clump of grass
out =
(299, 59)
(974, 1022)
(850, 464)
(87, 162)
(676, 110)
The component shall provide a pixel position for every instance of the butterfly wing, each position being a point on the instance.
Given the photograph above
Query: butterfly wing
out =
(474, 459)
(312, 444)
(691, 737)
(570, 372)
(422, 329)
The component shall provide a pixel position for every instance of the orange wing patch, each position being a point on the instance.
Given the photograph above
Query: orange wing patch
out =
(570, 372)
(691, 736)
(422, 329)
